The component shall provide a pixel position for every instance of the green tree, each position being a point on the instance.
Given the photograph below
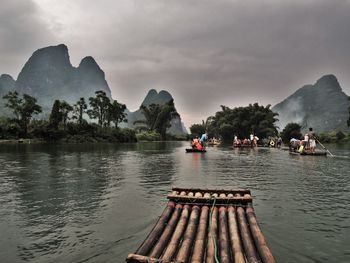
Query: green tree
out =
(292, 130)
(79, 109)
(23, 108)
(349, 116)
(116, 113)
(99, 107)
(242, 121)
(56, 115)
(65, 109)
(158, 117)
(14, 103)
(197, 129)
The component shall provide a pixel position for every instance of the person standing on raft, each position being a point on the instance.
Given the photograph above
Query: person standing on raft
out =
(203, 138)
(312, 140)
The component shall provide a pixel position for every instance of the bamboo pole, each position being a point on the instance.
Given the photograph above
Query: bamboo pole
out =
(259, 239)
(169, 229)
(152, 237)
(223, 235)
(184, 251)
(133, 258)
(176, 237)
(200, 240)
(247, 241)
(234, 236)
(212, 237)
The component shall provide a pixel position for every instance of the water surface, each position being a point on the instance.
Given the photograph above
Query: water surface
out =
(97, 202)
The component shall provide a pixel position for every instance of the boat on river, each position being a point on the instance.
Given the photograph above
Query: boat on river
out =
(202, 225)
(318, 153)
(194, 150)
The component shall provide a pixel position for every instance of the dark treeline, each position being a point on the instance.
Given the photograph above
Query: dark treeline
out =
(240, 121)
(66, 122)
(92, 121)
(257, 120)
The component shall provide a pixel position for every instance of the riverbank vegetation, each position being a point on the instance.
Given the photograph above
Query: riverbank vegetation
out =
(93, 121)
(257, 120)
(66, 123)
(239, 121)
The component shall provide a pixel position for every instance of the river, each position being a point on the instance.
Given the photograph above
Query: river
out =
(97, 202)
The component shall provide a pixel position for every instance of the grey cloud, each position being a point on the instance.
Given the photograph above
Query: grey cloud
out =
(21, 33)
(207, 53)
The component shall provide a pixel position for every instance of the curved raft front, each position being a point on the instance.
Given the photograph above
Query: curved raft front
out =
(201, 225)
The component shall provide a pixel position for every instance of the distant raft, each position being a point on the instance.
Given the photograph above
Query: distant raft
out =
(309, 153)
(191, 150)
(201, 225)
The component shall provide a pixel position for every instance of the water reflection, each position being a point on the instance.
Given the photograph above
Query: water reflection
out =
(96, 203)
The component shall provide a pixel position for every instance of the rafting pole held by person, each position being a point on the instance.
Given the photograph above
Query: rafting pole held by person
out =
(332, 155)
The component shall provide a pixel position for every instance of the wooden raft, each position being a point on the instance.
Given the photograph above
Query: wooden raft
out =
(202, 225)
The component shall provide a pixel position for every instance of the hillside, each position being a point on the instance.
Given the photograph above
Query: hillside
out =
(323, 106)
(177, 127)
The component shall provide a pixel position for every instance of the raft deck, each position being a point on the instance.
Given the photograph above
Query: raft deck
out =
(202, 225)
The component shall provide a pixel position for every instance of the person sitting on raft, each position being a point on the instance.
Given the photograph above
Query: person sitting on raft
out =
(294, 144)
(196, 144)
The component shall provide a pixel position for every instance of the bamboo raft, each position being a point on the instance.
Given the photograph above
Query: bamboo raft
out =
(309, 153)
(190, 150)
(201, 225)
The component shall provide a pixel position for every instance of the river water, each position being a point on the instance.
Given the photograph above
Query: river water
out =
(97, 202)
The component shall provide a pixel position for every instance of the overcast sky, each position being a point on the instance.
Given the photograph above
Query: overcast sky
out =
(205, 53)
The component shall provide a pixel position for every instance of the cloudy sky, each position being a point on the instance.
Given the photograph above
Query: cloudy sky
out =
(206, 53)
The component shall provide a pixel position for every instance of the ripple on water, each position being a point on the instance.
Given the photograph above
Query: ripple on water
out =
(96, 203)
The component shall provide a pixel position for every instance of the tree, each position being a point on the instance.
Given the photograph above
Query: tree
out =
(197, 129)
(206, 126)
(158, 117)
(349, 116)
(65, 109)
(79, 109)
(292, 130)
(242, 121)
(23, 108)
(13, 102)
(99, 107)
(116, 113)
(55, 116)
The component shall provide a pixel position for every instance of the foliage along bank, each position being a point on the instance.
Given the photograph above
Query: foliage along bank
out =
(240, 121)
(66, 122)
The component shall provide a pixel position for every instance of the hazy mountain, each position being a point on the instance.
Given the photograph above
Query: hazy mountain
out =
(7, 83)
(177, 127)
(49, 75)
(323, 106)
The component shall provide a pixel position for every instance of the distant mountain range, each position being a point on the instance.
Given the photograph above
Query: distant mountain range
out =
(177, 126)
(49, 75)
(323, 106)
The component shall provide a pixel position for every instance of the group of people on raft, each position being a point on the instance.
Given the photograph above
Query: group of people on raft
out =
(308, 143)
(252, 141)
(199, 143)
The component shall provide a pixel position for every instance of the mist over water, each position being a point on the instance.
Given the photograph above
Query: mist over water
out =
(97, 202)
